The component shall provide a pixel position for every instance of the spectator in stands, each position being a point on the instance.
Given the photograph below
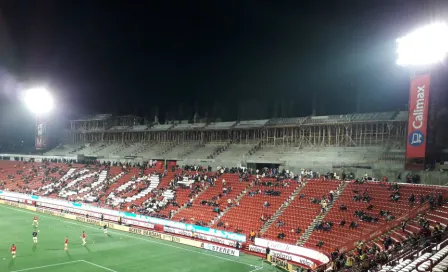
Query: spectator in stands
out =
(411, 199)
(387, 242)
(252, 235)
(349, 261)
(280, 223)
(390, 217)
(326, 226)
(343, 207)
(437, 226)
(403, 226)
(422, 199)
(266, 204)
(440, 199)
(395, 196)
(342, 223)
(281, 236)
(323, 205)
(353, 225)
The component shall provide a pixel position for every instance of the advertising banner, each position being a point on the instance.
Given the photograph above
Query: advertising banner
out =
(223, 250)
(201, 236)
(294, 250)
(284, 256)
(418, 117)
(214, 239)
(178, 231)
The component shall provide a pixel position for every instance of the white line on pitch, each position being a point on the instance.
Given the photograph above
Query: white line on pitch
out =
(256, 269)
(125, 235)
(97, 265)
(45, 266)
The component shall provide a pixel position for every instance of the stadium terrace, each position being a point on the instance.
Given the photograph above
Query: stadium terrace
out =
(298, 216)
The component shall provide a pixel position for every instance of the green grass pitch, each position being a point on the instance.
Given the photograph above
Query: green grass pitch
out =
(117, 252)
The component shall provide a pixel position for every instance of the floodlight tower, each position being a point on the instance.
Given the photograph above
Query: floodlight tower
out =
(40, 102)
(420, 51)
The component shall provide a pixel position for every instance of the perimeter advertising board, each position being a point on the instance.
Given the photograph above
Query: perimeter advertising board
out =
(129, 217)
(418, 121)
(304, 252)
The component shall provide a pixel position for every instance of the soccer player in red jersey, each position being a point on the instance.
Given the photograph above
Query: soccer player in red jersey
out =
(66, 243)
(35, 222)
(83, 237)
(13, 250)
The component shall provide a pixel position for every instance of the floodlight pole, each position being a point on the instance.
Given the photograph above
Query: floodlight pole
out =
(37, 142)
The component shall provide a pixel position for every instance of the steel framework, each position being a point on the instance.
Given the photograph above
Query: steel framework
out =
(340, 132)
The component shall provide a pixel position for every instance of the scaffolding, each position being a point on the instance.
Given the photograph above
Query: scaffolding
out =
(379, 129)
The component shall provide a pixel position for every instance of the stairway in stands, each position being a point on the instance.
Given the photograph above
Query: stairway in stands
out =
(206, 213)
(236, 200)
(380, 200)
(281, 209)
(247, 216)
(306, 235)
(300, 213)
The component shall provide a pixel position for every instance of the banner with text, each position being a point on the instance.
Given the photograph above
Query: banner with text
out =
(221, 249)
(285, 256)
(418, 117)
(294, 250)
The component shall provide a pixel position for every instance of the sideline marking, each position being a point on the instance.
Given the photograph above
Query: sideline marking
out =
(45, 266)
(125, 235)
(58, 264)
(100, 266)
(256, 269)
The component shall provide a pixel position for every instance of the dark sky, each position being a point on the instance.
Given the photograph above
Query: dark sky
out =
(230, 59)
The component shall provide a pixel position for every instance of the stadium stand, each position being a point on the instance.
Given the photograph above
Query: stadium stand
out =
(279, 206)
(300, 196)
(260, 200)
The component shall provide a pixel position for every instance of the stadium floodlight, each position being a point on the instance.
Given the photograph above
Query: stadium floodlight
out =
(39, 100)
(424, 46)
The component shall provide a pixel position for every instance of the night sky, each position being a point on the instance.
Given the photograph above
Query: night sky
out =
(228, 59)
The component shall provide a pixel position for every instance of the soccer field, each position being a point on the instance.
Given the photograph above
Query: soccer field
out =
(117, 252)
